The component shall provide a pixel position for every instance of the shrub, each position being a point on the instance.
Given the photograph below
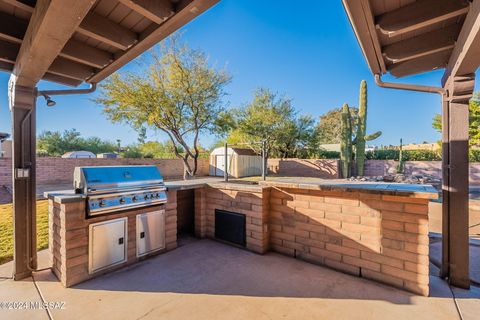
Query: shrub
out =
(474, 155)
(323, 154)
(408, 155)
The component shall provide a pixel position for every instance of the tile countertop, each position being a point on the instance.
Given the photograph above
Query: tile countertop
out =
(395, 189)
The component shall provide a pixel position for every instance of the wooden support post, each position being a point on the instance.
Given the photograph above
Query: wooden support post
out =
(225, 163)
(455, 260)
(22, 105)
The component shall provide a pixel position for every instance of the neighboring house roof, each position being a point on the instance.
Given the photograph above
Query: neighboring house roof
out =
(79, 154)
(239, 151)
(245, 152)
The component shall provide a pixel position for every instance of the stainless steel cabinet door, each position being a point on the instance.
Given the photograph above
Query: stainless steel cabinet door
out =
(150, 232)
(107, 244)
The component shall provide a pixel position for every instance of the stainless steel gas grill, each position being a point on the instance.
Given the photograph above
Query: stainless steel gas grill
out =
(117, 188)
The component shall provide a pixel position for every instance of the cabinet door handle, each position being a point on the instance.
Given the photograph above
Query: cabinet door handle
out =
(142, 235)
(120, 241)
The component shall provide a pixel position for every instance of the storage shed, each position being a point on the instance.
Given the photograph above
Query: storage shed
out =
(240, 162)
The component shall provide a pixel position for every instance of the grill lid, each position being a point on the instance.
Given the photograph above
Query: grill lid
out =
(115, 178)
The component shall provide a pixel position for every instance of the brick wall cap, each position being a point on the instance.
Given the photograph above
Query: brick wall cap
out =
(393, 189)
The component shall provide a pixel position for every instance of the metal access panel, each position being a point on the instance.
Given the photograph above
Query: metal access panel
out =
(150, 232)
(107, 244)
(231, 227)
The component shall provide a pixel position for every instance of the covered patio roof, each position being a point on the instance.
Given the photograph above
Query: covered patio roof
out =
(75, 41)
(408, 37)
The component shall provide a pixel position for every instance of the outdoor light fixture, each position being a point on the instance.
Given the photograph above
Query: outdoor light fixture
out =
(49, 100)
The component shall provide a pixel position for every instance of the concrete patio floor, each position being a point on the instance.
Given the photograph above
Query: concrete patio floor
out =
(203, 279)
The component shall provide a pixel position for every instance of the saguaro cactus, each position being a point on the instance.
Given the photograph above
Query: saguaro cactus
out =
(361, 137)
(346, 141)
(401, 163)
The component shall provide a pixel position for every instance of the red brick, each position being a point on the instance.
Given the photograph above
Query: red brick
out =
(404, 217)
(342, 217)
(362, 263)
(342, 250)
(404, 274)
(416, 228)
(416, 208)
(347, 268)
(382, 259)
(392, 225)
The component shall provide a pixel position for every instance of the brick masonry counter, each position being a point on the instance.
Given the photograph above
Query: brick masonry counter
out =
(69, 234)
(375, 231)
(371, 231)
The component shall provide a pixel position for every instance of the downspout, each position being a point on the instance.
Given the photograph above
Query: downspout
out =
(419, 88)
(46, 94)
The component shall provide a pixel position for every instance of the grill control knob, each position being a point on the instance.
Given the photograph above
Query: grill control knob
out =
(122, 200)
(146, 197)
(135, 198)
(157, 195)
(102, 203)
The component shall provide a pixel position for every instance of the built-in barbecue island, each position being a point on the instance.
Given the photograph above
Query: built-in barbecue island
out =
(374, 230)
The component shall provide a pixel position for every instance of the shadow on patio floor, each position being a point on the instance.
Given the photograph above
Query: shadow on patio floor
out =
(206, 279)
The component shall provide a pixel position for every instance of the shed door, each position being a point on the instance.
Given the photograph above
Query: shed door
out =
(220, 165)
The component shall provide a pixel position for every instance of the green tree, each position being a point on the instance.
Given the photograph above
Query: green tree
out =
(178, 93)
(56, 143)
(328, 130)
(474, 121)
(273, 119)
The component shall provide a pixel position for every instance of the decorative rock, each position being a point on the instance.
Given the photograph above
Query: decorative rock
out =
(389, 178)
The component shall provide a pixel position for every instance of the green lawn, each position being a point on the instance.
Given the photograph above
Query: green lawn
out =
(6, 229)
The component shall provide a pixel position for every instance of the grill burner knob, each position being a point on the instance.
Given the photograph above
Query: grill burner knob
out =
(122, 200)
(146, 197)
(102, 203)
(134, 199)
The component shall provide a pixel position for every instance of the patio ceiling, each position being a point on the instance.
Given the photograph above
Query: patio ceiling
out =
(406, 37)
(86, 40)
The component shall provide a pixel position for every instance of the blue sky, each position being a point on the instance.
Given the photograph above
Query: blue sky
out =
(311, 56)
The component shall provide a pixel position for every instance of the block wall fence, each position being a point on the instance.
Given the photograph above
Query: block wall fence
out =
(329, 169)
(59, 170)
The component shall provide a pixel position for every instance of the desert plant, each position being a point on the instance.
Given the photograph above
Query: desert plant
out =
(346, 141)
(401, 162)
(361, 137)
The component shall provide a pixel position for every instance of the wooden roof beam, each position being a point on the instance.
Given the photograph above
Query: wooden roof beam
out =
(61, 79)
(13, 30)
(422, 45)
(152, 37)
(71, 69)
(419, 14)
(8, 51)
(431, 62)
(80, 52)
(25, 5)
(156, 11)
(44, 39)
(107, 31)
(6, 66)
(465, 58)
